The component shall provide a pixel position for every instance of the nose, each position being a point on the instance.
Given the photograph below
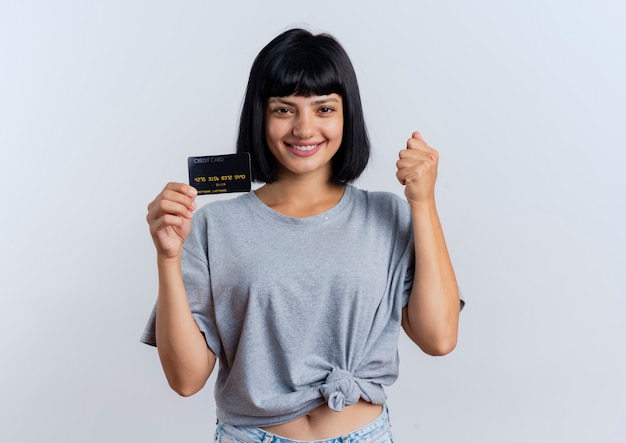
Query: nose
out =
(304, 125)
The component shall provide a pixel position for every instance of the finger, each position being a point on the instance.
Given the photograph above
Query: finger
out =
(411, 153)
(167, 221)
(417, 136)
(421, 151)
(180, 198)
(420, 154)
(414, 166)
(411, 175)
(411, 166)
(178, 193)
(182, 188)
(400, 178)
(161, 207)
(169, 207)
(416, 141)
(405, 171)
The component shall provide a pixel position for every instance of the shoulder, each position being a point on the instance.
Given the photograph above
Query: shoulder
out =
(222, 213)
(381, 202)
(389, 212)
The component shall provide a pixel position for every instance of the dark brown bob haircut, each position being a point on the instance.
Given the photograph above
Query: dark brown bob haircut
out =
(298, 62)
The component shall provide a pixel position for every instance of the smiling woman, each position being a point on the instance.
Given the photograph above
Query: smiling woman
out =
(305, 311)
(304, 133)
(297, 64)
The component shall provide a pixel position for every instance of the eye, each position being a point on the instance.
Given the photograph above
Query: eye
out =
(281, 111)
(326, 110)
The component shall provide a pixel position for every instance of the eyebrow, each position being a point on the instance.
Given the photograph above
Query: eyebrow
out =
(321, 101)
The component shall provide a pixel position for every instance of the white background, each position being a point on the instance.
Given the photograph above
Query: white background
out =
(102, 101)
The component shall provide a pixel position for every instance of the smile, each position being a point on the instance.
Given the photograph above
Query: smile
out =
(304, 148)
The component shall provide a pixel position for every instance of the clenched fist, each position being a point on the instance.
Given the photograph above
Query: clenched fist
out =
(417, 170)
(169, 217)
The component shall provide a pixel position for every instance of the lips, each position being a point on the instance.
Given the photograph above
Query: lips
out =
(305, 147)
(302, 149)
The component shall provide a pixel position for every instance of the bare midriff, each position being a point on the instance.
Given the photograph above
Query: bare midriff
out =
(324, 423)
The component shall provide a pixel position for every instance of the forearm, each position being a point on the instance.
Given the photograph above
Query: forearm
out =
(432, 314)
(185, 357)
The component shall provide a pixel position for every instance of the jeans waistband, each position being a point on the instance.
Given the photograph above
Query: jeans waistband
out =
(370, 432)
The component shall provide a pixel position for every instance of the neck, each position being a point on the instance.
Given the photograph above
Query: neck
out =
(301, 196)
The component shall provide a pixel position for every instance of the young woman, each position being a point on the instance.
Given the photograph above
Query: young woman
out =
(300, 288)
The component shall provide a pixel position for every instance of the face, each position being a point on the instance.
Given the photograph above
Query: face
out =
(304, 133)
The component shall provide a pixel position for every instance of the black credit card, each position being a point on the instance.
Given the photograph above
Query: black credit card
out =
(218, 174)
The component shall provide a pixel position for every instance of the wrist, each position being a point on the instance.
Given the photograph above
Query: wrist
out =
(168, 261)
(427, 205)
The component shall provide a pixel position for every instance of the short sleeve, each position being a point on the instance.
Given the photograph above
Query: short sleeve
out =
(149, 333)
(408, 285)
(198, 287)
(197, 283)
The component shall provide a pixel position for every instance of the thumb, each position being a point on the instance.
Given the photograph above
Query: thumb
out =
(417, 136)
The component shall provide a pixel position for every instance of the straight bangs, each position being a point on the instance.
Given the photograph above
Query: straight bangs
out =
(303, 73)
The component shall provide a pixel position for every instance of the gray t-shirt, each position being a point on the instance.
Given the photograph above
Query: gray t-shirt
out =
(299, 311)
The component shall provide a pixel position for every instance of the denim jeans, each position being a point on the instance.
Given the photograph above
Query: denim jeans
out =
(378, 431)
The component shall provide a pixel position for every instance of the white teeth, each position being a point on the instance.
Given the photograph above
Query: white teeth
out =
(304, 147)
